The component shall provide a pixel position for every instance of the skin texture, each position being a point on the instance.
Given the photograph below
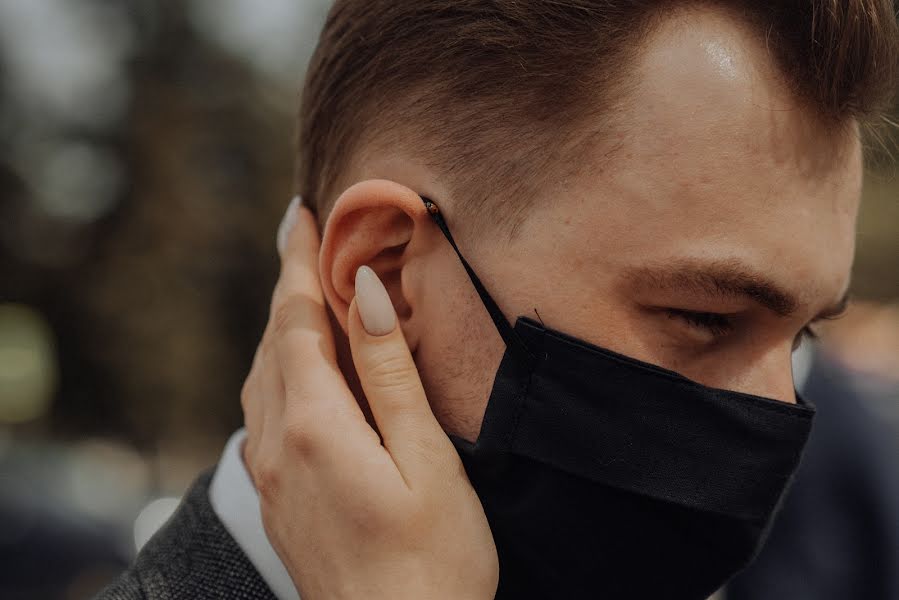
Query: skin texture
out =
(716, 193)
(713, 160)
(380, 516)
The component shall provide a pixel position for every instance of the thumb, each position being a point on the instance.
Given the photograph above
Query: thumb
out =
(390, 379)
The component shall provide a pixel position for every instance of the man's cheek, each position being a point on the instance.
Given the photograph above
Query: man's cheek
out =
(458, 378)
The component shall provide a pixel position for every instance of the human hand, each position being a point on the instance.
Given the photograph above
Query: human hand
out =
(353, 514)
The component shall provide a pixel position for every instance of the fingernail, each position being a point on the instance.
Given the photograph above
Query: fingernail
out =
(287, 222)
(375, 308)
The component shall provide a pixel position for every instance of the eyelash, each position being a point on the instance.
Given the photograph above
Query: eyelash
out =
(720, 325)
(715, 323)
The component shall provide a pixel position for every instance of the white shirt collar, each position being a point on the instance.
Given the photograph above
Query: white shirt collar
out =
(235, 501)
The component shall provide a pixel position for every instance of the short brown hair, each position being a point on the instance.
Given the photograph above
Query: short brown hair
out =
(495, 88)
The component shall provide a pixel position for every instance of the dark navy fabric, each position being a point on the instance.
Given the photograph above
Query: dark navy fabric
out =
(837, 536)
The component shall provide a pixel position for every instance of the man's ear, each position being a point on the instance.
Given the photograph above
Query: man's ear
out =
(377, 223)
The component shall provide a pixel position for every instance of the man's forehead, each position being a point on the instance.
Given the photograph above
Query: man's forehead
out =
(714, 145)
(706, 77)
(709, 50)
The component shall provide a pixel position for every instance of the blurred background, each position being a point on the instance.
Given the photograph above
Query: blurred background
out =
(146, 153)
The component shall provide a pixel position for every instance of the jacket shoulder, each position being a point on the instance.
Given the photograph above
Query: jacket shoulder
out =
(191, 556)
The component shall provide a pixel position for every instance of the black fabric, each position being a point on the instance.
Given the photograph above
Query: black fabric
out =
(606, 477)
(673, 439)
(192, 557)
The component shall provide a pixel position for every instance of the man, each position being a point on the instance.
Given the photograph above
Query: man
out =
(664, 193)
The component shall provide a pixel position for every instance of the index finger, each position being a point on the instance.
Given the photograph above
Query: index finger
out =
(314, 390)
(298, 319)
(300, 332)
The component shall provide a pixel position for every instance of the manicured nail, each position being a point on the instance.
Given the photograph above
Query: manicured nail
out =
(375, 308)
(287, 222)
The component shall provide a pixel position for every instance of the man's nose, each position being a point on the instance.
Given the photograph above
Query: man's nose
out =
(767, 373)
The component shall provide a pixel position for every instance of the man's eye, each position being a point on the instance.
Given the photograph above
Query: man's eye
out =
(719, 324)
(715, 323)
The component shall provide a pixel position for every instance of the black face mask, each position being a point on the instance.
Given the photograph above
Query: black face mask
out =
(606, 477)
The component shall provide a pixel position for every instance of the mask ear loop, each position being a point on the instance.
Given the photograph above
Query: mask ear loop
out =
(511, 338)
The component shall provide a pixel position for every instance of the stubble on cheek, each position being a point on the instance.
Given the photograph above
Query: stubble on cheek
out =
(459, 382)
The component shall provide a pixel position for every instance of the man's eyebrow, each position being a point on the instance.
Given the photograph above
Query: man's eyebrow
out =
(723, 278)
(836, 309)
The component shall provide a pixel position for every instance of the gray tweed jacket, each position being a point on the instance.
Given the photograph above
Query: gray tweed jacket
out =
(192, 556)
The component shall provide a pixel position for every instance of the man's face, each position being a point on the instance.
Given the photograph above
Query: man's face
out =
(716, 223)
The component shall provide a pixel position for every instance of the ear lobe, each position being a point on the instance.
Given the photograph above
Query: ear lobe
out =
(372, 223)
